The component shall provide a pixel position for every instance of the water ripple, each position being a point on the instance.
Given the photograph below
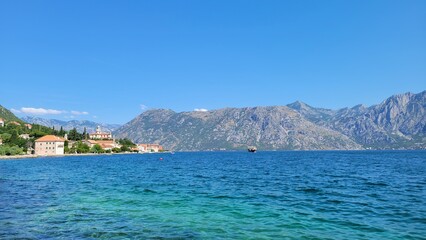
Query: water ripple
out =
(236, 195)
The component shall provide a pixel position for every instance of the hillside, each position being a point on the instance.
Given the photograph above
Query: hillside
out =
(7, 115)
(399, 122)
(233, 128)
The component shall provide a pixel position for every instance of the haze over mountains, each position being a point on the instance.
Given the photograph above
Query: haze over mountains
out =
(68, 125)
(399, 122)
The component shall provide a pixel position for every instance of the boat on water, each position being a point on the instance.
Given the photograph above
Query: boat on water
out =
(252, 149)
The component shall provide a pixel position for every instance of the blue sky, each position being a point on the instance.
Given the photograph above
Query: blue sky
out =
(109, 60)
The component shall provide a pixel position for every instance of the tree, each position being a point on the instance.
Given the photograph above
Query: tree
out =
(6, 137)
(82, 147)
(14, 138)
(125, 149)
(126, 142)
(7, 150)
(97, 149)
(61, 132)
(74, 135)
(85, 134)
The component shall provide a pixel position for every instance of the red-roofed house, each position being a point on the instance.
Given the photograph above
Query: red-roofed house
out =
(14, 123)
(105, 144)
(49, 145)
(108, 144)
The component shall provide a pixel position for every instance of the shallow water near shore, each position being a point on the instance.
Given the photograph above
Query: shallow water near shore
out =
(216, 195)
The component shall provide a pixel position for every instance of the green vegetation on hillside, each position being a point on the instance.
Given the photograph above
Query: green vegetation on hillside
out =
(8, 116)
(18, 139)
(126, 145)
(74, 135)
(79, 147)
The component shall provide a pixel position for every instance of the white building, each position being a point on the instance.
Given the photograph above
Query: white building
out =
(100, 135)
(49, 145)
(146, 147)
(25, 136)
(1, 122)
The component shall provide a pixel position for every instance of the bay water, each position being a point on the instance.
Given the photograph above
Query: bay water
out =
(216, 195)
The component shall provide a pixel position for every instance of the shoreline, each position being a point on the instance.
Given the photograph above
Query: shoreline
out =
(27, 156)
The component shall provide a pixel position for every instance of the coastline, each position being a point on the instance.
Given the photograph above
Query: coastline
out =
(18, 157)
(27, 156)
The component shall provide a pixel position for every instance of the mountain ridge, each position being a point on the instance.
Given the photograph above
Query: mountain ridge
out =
(68, 125)
(7, 115)
(398, 122)
(279, 127)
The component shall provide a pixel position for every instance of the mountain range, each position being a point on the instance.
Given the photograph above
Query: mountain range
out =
(399, 122)
(68, 125)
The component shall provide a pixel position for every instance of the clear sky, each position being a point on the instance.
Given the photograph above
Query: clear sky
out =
(109, 60)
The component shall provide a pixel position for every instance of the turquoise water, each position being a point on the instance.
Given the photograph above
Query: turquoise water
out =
(222, 195)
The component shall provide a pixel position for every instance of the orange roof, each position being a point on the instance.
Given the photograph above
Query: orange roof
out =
(105, 141)
(105, 145)
(50, 138)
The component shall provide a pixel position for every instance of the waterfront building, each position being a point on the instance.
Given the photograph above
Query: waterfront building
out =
(146, 147)
(49, 145)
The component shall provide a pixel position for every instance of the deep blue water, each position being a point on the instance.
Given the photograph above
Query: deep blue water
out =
(218, 195)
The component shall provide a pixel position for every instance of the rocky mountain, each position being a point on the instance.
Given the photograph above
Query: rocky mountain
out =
(7, 115)
(399, 122)
(233, 128)
(68, 125)
(316, 115)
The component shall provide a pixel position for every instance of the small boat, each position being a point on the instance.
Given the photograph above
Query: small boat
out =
(252, 149)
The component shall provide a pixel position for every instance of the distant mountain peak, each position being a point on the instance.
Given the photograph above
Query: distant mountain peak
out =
(299, 105)
(68, 125)
(359, 107)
